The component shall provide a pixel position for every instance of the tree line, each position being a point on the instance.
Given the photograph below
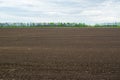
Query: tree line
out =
(43, 24)
(52, 24)
(108, 25)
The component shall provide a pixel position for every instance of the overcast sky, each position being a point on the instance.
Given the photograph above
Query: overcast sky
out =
(86, 11)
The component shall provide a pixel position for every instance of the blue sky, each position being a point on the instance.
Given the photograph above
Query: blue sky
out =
(86, 11)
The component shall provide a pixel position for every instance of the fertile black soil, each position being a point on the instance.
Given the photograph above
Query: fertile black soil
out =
(60, 54)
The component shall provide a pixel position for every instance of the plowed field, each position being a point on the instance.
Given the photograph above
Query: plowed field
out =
(60, 54)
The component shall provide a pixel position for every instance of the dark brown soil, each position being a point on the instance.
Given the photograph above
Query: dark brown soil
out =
(60, 54)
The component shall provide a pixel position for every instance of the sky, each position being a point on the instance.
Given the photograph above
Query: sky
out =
(84, 11)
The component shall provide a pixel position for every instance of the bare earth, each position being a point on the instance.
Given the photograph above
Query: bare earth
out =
(60, 54)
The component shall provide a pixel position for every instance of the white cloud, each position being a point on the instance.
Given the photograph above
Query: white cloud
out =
(91, 12)
(87, 11)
